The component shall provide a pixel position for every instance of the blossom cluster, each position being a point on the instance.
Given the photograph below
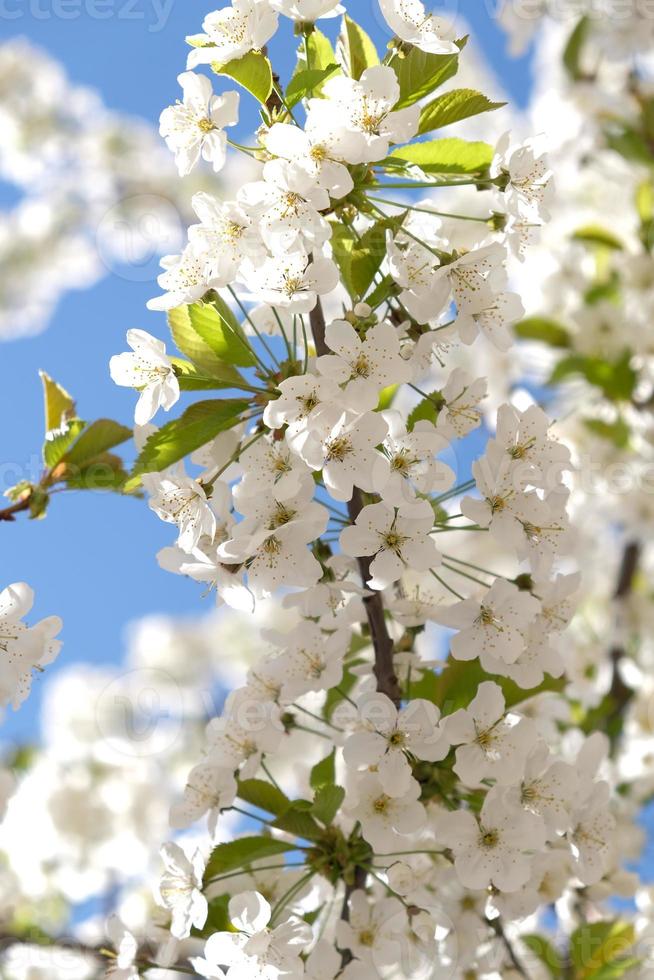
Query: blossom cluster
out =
(409, 772)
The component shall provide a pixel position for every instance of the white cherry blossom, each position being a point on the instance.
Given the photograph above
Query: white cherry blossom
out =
(181, 500)
(384, 819)
(492, 744)
(150, 371)
(397, 539)
(347, 454)
(307, 11)
(195, 127)
(387, 736)
(180, 889)
(411, 22)
(366, 106)
(365, 365)
(494, 627)
(253, 949)
(232, 31)
(494, 849)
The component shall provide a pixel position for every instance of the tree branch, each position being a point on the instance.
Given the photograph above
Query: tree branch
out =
(620, 695)
(7, 514)
(387, 682)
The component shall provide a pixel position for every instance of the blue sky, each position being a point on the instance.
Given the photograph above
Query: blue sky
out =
(92, 560)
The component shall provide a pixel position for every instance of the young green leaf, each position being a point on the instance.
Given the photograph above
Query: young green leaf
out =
(58, 441)
(324, 772)
(199, 424)
(450, 107)
(263, 795)
(242, 852)
(216, 324)
(542, 328)
(420, 73)
(58, 404)
(546, 953)
(574, 49)
(190, 378)
(298, 821)
(97, 438)
(190, 343)
(306, 83)
(327, 802)
(446, 156)
(252, 71)
(355, 49)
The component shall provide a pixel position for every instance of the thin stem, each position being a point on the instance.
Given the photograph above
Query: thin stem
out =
(413, 184)
(270, 775)
(289, 894)
(477, 568)
(459, 571)
(298, 707)
(448, 587)
(267, 867)
(439, 214)
(255, 328)
(252, 816)
(498, 929)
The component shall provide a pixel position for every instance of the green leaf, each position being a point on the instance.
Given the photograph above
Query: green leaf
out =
(263, 795)
(596, 235)
(450, 107)
(545, 952)
(321, 52)
(252, 71)
(616, 379)
(355, 49)
(58, 404)
(190, 343)
(190, 379)
(327, 803)
(324, 772)
(645, 200)
(359, 257)
(386, 396)
(199, 424)
(104, 472)
(542, 328)
(306, 83)
(216, 324)
(54, 447)
(598, 949)
(342, 242)
(298, 821)
(574, 48)
(629, 143)
(381, 292)
(96, 439)
(446, 156)
(420, 73)
(217, 918)
(457, 685)
(617, 432)
(426, 410)
(242, 852)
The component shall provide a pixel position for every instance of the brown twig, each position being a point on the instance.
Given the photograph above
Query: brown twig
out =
(7, 514)
(387, 682)
(620, 694)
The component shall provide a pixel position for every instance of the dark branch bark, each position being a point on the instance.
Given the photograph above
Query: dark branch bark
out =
(8, 514)
(387, 682)
(620, 695)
